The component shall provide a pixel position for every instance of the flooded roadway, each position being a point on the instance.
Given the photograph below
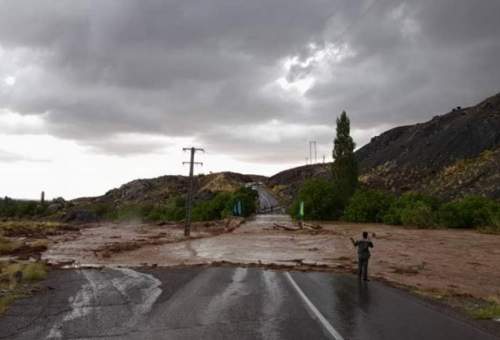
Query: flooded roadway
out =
(224, 303)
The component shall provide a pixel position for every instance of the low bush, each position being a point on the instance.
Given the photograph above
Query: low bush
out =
(34, 272)
(368, 206)
(242, 202)
(219, 206)
(247, 200)
(418, 214)
(12, 208)
(470, 212)
(173, 210)
(321, 201)
(213, 209)
(412, 209)
(495, 220)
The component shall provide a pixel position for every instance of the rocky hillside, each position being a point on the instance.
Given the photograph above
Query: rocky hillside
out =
(453, 154)
(287, 183)
(427, 157)
(154, 190)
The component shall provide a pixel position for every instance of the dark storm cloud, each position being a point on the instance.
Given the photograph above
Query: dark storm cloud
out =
(182, 68)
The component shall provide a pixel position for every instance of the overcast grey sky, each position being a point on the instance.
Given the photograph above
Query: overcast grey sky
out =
(96, 93)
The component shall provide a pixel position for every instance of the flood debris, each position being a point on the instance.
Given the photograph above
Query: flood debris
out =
(285, 227)
(301, 227)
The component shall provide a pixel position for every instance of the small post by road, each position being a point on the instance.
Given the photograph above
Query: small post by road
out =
(189, 199)
(42, 198)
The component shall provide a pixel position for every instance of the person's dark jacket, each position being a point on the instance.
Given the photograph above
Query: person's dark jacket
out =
(363, 246)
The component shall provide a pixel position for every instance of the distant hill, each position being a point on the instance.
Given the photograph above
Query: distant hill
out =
(451, 155)
(160, 189)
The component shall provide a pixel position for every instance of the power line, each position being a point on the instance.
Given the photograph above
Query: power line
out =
(189, 200)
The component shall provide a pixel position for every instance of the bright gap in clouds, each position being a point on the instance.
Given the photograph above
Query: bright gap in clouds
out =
(301, 74)
(9, 80)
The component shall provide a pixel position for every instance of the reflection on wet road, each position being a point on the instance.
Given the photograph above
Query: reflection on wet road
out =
(224, 303)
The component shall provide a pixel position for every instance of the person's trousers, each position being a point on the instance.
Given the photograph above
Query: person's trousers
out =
(363, 268)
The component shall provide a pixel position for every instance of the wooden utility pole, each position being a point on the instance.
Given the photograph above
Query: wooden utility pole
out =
(189, 199)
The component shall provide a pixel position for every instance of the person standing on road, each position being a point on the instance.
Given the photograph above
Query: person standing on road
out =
(363, 246)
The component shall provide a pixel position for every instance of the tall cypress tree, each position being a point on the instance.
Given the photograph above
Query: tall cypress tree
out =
(345, 167)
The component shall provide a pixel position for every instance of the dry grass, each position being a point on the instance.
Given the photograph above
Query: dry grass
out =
(13, 246)
(488, 312)
(8, 246)
(482, 309)
(30, 271)
(30, 228)
(16, 280)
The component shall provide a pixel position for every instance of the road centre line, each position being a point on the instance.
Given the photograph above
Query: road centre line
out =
(324, 322)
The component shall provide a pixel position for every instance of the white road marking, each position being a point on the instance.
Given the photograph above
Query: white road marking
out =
(273, 292)
(324, 322)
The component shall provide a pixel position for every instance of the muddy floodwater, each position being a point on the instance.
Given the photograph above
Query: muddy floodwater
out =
(453, 262)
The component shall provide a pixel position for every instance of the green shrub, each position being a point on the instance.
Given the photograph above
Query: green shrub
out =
(411, 205)
(419, 214)
(34, 272)
(470, 212)
(214, 209)
(223, 203)
(495, 220)
(218, 206)
(248, 200)
(173, 210)
(321, 201)
(21, 209)
(368, 206)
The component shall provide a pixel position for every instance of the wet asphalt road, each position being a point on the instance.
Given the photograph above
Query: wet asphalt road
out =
(267, 201)
(224, 303)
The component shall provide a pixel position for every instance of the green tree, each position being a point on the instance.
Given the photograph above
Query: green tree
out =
(408, 209)
(345, 166)
(321, 201)
(470, 212)
(368, 206)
